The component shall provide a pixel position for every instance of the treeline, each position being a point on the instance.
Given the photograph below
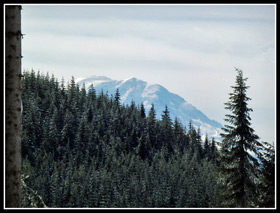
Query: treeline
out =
(82, 149)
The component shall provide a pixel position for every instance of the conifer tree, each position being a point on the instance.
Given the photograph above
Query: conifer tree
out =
(267, 176)
(206, 147)
(213, 150)
(142, 111)
(166, 129)
(117, 99)
(238, 165)
(179, 133)
(151, 127)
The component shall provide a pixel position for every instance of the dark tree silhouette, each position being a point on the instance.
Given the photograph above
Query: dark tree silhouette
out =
(13, 105)
(238, 165)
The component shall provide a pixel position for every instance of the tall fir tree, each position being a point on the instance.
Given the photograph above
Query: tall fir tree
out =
(142, 111)
(166, 133)
(152, 127)
(238, 164)
(117, 99)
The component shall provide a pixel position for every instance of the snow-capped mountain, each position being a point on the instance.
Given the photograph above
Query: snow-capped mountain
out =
(133, 89)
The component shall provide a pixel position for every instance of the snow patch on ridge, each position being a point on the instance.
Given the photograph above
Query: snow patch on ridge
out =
(150, 91)
(124, 97)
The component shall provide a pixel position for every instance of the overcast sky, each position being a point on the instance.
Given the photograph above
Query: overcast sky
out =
(191, 50)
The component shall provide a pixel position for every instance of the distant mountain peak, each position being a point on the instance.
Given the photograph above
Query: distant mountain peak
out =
(93, 78)
(131, 79)
(96, 77)
(139, 91)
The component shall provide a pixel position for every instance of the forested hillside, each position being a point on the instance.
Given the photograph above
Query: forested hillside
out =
(84, 149)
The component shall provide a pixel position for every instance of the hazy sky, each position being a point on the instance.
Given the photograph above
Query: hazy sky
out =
(191, 50)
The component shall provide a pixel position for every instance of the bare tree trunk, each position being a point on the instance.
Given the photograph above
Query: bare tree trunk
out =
(13, 116)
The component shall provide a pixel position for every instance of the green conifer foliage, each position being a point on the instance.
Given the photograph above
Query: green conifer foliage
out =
(239, 167)
(86, 150)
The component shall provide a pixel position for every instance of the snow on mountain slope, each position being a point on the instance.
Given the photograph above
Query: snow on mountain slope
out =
(133, 89)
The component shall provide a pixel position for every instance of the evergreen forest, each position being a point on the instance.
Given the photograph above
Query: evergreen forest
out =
(81, 149)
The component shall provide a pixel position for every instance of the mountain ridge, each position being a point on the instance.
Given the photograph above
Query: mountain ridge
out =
(139, 91)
